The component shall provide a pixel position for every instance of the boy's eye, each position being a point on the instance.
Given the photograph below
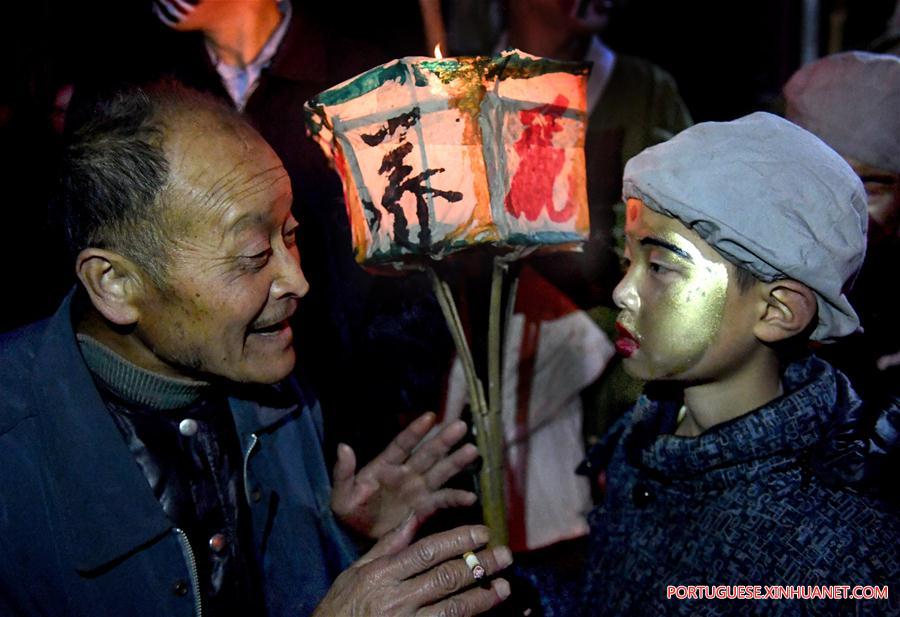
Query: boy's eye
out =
(658, 268)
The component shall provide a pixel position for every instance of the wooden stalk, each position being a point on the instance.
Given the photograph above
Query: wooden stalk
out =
(488, 428)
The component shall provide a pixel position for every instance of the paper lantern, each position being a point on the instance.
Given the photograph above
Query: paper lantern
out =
(440, 154)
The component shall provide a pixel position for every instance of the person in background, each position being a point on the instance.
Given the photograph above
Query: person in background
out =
(849, 100)
(632, 104)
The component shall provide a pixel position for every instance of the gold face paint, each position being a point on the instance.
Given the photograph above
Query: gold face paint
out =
(672, 297)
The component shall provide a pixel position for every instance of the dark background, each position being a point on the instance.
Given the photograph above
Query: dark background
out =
(728, 58)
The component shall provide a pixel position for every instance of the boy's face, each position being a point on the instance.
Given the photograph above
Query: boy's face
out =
(682, 316)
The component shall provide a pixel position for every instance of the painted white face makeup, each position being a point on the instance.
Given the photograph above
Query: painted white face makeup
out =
(673, 296)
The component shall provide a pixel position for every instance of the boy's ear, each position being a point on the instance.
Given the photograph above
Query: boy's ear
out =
(790, 306)
(113, 283)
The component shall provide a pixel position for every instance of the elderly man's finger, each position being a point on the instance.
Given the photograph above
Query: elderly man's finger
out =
(447, 498)
(437, 447)
(342, 476)
(436, 549)
(454, 575)
(472, 602)
(448, 467)
(406, 441)
(393, 541)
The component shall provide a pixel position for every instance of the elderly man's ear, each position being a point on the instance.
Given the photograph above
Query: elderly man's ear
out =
(113, 282)
(788, 307)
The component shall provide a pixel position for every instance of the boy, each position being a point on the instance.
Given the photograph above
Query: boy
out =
(741, 238)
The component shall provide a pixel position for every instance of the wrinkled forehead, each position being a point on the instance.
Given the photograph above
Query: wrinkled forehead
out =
(208, 134)
(217, 164)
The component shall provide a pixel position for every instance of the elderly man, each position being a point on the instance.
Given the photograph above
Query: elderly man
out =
(157, 457)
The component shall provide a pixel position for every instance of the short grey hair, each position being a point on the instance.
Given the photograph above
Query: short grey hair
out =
(114, 186)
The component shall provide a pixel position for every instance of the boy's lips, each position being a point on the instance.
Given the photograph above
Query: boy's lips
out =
(626, 344)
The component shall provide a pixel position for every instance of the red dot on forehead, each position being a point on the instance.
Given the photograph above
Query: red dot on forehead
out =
(631, 211)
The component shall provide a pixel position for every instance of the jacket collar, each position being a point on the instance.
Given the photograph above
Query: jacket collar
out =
(106, 503)
(800, 420)
(263, 409)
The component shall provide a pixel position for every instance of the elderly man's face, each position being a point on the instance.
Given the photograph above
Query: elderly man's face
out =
(234, 276)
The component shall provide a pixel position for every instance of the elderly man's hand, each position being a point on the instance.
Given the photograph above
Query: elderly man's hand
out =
(404, 479)
(430, 577)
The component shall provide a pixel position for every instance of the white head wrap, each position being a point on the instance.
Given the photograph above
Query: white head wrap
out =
(852, 101)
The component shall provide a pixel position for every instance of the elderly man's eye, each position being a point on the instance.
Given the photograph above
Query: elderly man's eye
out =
(257, 261)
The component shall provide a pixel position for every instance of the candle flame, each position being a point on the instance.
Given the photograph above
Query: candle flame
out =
(437, 51)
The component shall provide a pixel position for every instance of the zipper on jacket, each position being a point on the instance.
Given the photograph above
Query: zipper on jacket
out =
(253, 441)
(192, 562)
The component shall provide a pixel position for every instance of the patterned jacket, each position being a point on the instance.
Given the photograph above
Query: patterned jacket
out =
(749, 502)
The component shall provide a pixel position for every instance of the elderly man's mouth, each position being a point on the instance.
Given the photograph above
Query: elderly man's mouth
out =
(276, 325)
(276, 332)
(270, 329)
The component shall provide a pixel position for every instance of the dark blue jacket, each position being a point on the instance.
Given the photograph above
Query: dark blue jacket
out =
(81, 533)
(749, 502)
